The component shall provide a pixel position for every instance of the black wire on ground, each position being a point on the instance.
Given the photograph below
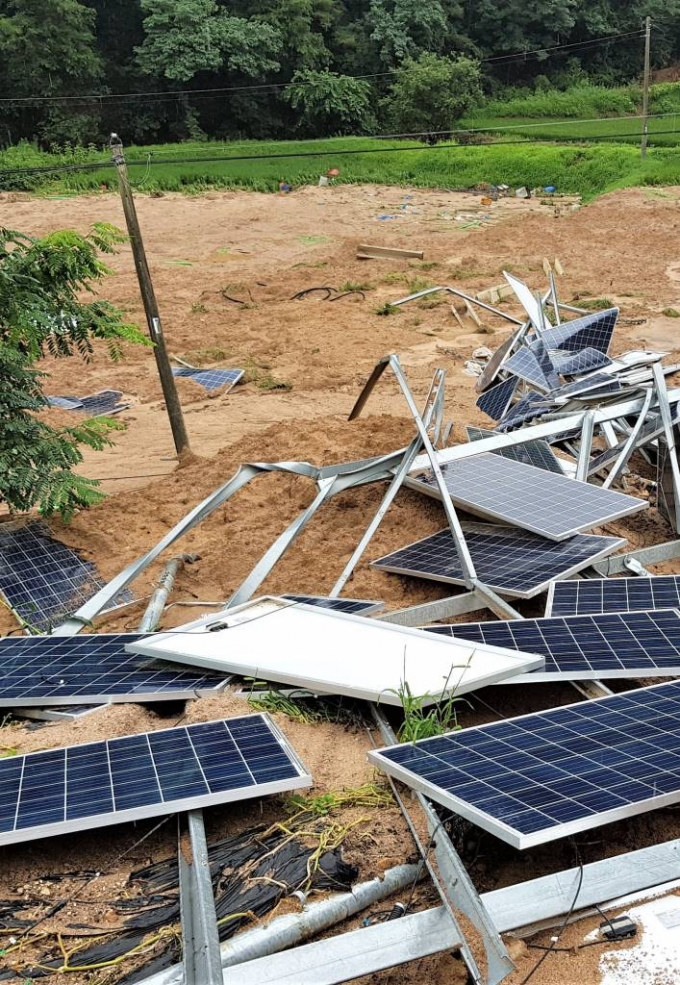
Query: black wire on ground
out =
(555, 940)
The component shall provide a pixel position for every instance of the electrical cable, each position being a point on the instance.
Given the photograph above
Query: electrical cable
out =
(556, 938)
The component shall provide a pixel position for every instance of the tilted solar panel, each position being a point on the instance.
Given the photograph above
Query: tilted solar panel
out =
(211, 379)
(83, 669)
(496, 401)
(597, 647)
(511, 492)
(589, 596)
(588, 332)
(138, 776)
(545, 776)
(571, 363)
(526, 366)
(533, 452)
(355, 606)
(510, 561)
(528, 408)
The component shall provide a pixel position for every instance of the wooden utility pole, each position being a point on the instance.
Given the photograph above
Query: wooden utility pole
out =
(645, 87)
(153, 317)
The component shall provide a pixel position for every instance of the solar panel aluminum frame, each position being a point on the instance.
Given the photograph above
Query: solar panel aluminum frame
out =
(504, 831)
(158, 808)
(616, 544)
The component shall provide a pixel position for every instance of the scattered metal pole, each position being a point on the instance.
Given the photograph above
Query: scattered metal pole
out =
(201, 958)
(153, 317)
(669, 431)
(645, 88)
(586, 445)
(156, 606)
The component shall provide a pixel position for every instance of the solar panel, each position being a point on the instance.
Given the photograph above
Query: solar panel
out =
(589, 596)
(353, 606)
(146, 775)
(542, 354)
(43, 580)
(211, 379)
(588, 332)
(530, 407)
(60, 670)
(510, 561)
(95, 405)
(334, 653)
(539, 777)
(611, 644)
(534, 452)
(571, 363)
(547, 504)
(527, 299)
(60, 713)
(496, 401)
(526, 366)
(596, 381)
(65, 403)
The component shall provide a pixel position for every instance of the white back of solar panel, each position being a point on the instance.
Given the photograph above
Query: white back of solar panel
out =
(332, 652)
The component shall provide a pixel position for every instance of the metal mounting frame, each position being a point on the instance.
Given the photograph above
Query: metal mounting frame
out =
(201, 959)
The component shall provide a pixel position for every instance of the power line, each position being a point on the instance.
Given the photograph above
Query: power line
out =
(225, 90)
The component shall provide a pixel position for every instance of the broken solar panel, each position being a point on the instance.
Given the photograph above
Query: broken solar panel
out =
(544, 361)
(602, 382)
(83, 669)
(530, 407)
(534, 452)
(495, 401)
(588, 332)
(95, 405)
(210, 379)
(42, 580)
(138, 776)
(577, 648)
(511, 492)
(526, 366)
(510, 561)
(590, 596)
(571, 363)
(545, 776)
(357, 607)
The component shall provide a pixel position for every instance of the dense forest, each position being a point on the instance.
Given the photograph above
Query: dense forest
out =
(142, 67)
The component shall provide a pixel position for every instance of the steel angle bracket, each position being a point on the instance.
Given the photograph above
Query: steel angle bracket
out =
(201, 958)
(667, 420)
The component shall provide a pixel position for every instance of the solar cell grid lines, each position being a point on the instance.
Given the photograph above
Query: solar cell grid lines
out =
(588, 332)
(145, 775)
(528, 408)
(545, 776)
(355, 606)
(42, 579)
(535, 452)
(496, 400)
(511, 492)
(58, 670)
(571, 363)
(597, 381)
(590, 596)
(510, 561)
(526, 366)
(544, 361)
(609, 645)
(95, 404)
(211, 379)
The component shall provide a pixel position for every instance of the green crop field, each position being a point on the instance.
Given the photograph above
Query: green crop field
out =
(584, 140)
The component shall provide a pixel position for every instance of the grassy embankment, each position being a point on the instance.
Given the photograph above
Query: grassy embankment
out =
(525, 154)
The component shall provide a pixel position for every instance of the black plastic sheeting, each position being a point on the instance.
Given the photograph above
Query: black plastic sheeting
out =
(250, 874)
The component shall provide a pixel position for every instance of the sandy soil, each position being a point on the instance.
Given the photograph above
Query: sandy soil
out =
(263, 249)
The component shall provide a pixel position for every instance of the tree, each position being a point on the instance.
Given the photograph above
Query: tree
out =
(40, 280)
(185, 37)
(431, 93)
(404, 28)
(330, 103)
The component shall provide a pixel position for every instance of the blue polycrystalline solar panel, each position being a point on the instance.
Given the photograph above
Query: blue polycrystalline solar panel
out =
(42, 580)
(571, 363)
(547, 504)
(138, 776)
(588, 332)
(612, 644)
(541, 777)
(589, 596)
(58, 670)
(512, 562)
(496, 401)
(95, 405)
(597, 381)
(353, 606)
(539, 350)
(526, 366)
(534, 452)
(529, 408)
(65, 403)
(211, 379)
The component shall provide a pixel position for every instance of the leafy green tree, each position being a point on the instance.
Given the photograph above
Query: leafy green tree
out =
(40, 312)
(185, 37)
(404, 28)
(432, 93)
(329, 103)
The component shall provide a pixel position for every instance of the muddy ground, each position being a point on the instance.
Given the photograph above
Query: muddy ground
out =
(305, 363)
